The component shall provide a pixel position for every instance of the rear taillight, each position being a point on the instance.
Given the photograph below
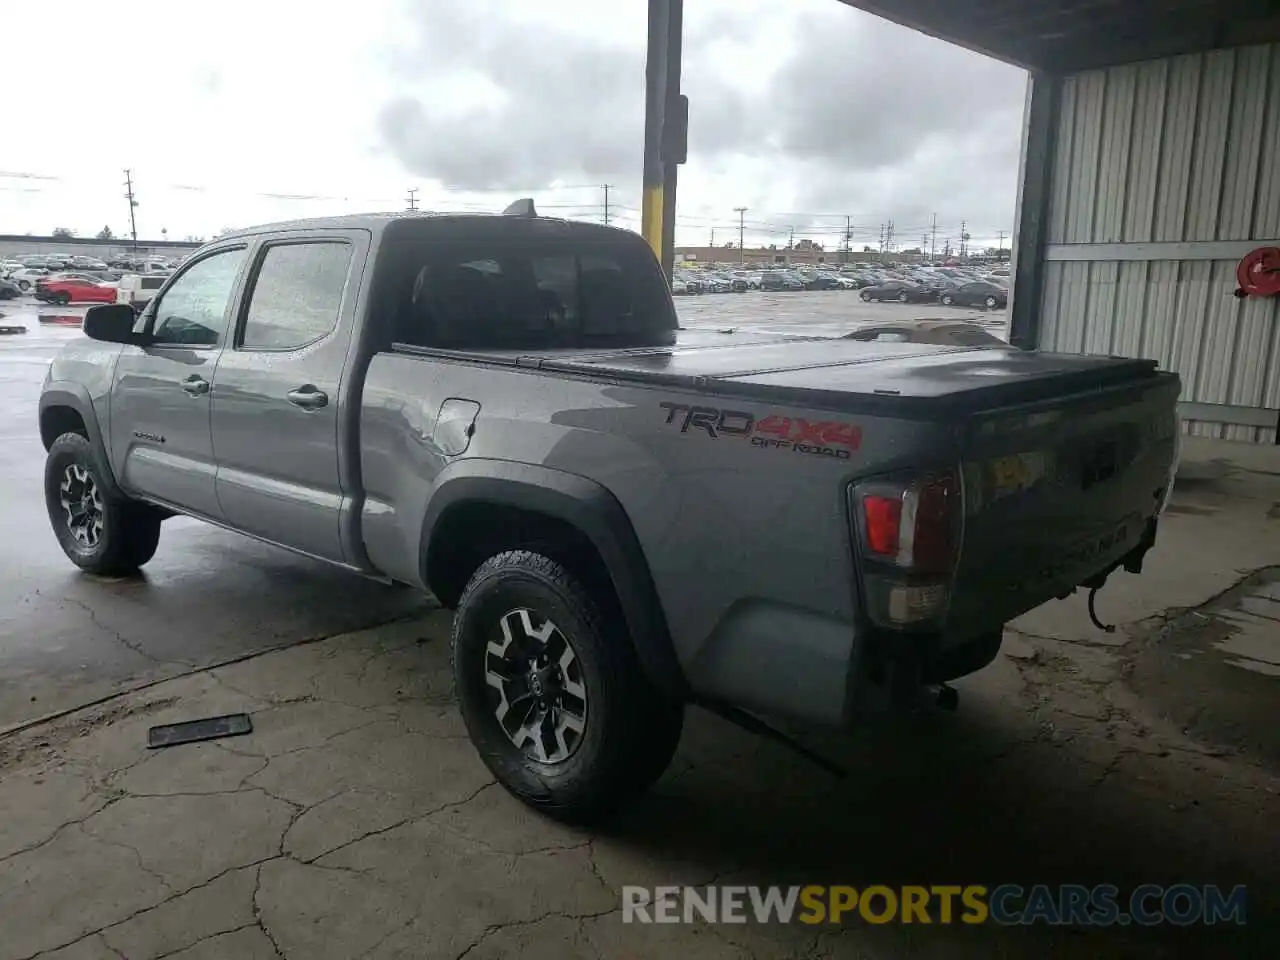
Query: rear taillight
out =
(909, 532)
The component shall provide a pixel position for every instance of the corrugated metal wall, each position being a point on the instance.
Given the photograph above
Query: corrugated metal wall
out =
(1187, 150)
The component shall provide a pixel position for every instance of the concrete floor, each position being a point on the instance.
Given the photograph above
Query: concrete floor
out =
(357, 821)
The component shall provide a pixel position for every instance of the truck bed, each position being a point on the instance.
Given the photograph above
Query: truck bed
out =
(918, 381)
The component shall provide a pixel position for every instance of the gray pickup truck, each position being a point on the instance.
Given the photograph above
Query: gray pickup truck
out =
(627, 516)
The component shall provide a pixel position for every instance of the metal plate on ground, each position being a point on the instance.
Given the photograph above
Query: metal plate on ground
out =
(192, 731)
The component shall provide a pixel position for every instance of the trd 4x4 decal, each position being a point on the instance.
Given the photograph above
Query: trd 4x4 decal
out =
(823, 438)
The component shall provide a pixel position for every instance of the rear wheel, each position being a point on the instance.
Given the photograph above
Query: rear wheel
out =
(947, 299)
(902, 297)
(551, 691)
(991, 303)
(99, 531)
(866, 297)
(62, 299)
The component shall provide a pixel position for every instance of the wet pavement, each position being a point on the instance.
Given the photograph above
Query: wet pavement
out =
(67, 638)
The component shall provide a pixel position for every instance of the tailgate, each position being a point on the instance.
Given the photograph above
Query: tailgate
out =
(1059, 491)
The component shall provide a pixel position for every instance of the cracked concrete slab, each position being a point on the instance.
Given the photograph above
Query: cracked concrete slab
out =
(74, 885)
(357, 820)
(222, 905)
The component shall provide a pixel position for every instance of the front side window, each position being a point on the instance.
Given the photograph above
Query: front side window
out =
(297, 295)
(193, 311)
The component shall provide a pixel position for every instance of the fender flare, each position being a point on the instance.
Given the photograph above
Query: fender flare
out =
(593, 510)
(65, 393)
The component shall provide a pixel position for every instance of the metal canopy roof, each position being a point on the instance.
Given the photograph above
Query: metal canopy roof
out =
(1067, 36)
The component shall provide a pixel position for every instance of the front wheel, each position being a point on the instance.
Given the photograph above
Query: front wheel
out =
(866, 297)
(991, 303)
(99, 531)
(551, 691)
(902, 297)
(947, 299)
(61, 299)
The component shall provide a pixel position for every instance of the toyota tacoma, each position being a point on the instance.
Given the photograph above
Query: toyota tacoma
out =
(626, 516)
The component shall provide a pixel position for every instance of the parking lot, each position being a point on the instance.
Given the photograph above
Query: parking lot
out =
(356, 819)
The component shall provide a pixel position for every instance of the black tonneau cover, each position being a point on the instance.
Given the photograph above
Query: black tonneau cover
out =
(903, 379)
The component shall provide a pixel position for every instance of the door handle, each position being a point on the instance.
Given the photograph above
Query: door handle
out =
(308, 397)
(196, 385)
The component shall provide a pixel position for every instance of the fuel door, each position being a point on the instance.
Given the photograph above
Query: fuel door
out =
(455, 425)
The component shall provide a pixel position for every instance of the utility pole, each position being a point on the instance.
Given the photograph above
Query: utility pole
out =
(606, 187)
(1000, 247)
(964, 237)
(412, 200)
(848, 237)
(888, 237)
(933, 241)
(882, 238)
(713, 237)
(791, 241)
(924, 244)
(128, 194)
(742, 213)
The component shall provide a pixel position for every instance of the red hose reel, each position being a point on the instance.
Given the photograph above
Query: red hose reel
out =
(1258, 273)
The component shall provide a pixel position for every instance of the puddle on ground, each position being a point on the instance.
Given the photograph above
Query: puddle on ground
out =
(1214, 669)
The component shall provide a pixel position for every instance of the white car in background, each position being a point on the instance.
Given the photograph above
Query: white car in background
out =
(26, 277)
(137, 289)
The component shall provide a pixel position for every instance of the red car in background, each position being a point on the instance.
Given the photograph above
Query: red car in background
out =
(64, 290)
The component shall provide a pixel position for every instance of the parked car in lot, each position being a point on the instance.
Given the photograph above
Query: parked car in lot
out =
(976, 294)
(26, 278)
(9, 290)
(488, 408)
(86, 263)
(779, 280)
(822, 281)
(138, 289)
(64, 290)
(903, 291)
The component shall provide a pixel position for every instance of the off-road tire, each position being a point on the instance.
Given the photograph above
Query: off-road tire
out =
(130, 531)
(631, 730)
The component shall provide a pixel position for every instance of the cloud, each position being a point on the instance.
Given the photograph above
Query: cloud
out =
(845, 111)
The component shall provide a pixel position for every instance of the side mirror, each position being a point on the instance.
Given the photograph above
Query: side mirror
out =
(111, 323)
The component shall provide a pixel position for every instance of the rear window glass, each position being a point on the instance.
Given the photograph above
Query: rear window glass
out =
(521, 294)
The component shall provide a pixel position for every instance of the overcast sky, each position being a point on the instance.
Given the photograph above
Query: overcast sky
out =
(236, 112)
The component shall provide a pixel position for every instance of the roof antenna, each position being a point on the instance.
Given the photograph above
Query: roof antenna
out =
(521, 208)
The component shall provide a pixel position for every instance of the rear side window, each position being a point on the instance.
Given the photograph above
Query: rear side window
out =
(297, 295)
(529, 295)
